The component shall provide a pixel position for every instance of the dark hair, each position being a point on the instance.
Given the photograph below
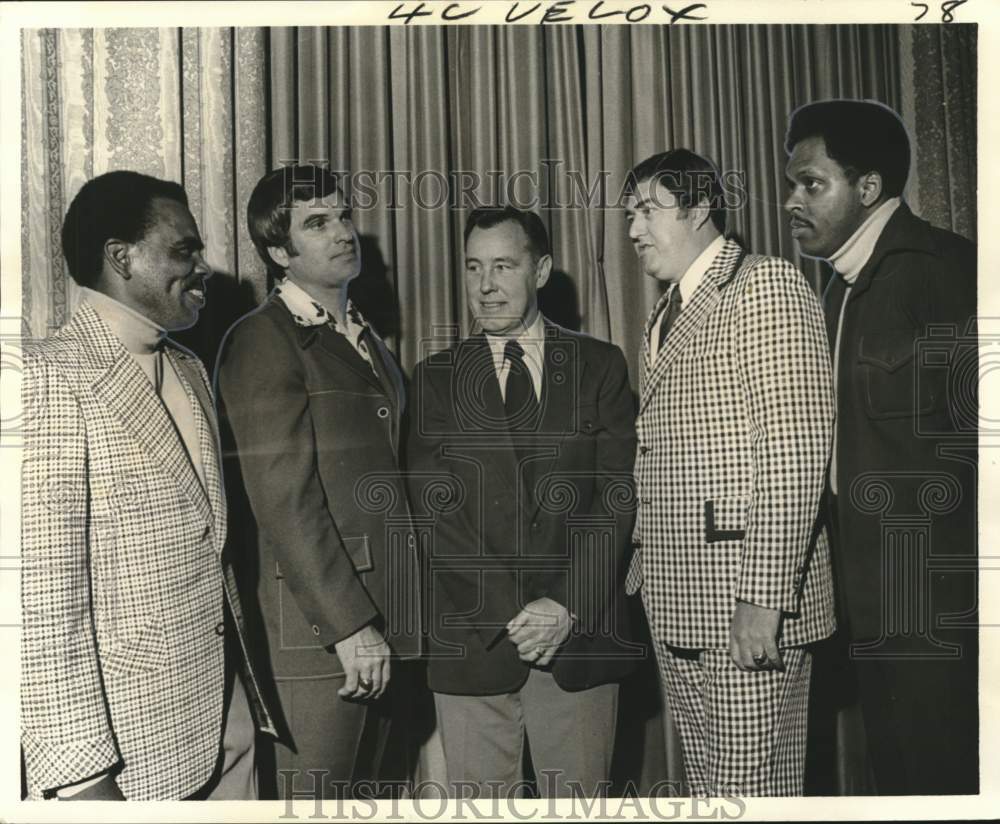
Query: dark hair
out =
(691, 178)
(268, 212)
(861, 135)
(534, 228)
(113, 205)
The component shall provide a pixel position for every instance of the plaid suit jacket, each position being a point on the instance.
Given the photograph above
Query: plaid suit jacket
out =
(735, 422)
(123, 585)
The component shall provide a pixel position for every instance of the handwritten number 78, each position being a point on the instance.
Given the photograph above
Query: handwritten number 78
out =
(946, 9)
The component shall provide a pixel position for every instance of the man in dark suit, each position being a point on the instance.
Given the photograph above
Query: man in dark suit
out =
(311, 399)
(531, 428)
(902, 480)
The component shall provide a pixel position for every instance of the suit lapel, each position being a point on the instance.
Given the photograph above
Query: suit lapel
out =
(126, 392)
(208, 437)
(118, 380)
(389, 379)
(691, 319)
(479, 406)
(337, 346)
(560, 387)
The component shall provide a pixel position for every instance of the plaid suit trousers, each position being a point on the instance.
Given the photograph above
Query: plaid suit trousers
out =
(743, 733)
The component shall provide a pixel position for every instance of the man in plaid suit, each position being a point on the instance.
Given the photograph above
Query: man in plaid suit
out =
(134, 683)
(734, 428)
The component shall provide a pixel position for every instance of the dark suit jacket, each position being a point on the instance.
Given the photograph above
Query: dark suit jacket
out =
(499, 536)
(906, 410)
(312, 438)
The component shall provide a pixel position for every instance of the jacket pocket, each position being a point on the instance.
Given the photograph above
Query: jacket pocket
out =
(725, 520)
(888, 375)
(141, 654)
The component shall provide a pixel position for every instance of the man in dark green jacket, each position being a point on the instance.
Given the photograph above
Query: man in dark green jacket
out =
(312, 399)
(900, 313)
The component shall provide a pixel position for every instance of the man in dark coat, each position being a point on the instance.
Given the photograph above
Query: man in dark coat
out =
(520, 445)
(900, 313)
(311, 402)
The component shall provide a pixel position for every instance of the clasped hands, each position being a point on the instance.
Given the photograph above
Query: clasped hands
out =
(753, 638)
(539, 630)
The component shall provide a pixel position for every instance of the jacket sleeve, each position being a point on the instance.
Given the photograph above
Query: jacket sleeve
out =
(264, 401)
(66, 730)
(784, 372)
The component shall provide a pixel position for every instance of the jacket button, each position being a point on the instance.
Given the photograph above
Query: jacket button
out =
(315, 630)
(643, 449)
(383, 412)
(644, 501)
(220, 628)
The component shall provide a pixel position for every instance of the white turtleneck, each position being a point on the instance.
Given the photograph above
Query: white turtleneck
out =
(850, 259)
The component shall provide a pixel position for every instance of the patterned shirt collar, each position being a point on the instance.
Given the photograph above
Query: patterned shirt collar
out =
(309, 312)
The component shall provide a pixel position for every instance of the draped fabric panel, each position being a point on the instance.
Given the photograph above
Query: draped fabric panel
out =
(434, 115)
(166, 102)
(555, 110)
(939, 66)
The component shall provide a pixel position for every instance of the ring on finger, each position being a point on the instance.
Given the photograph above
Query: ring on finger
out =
(760, 659)
(366, 683)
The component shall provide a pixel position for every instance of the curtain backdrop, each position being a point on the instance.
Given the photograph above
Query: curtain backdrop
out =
(216, 108)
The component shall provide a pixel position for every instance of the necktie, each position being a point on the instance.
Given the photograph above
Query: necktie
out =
(670, 313)
(520, 402)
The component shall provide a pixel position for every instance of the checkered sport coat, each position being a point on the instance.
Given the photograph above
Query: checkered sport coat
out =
(735, 422)
(124, 587)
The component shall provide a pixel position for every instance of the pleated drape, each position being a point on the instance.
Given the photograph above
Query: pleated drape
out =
(182, 104)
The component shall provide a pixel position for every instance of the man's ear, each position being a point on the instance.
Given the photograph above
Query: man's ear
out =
(542, 270)
(116, 255)
(870, 188)
(278, 255)
(699, 213)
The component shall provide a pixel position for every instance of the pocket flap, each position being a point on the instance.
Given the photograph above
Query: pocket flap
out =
(360, 553)
(146, 652)
(725, 519)
(888, 349)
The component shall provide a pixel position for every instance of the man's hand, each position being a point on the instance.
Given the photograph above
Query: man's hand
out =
(365, 656)
(104, 790)
(753, 633)
(539, 630)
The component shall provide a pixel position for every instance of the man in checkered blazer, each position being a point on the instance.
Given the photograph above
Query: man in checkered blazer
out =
(734, 427)
(134, 680)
